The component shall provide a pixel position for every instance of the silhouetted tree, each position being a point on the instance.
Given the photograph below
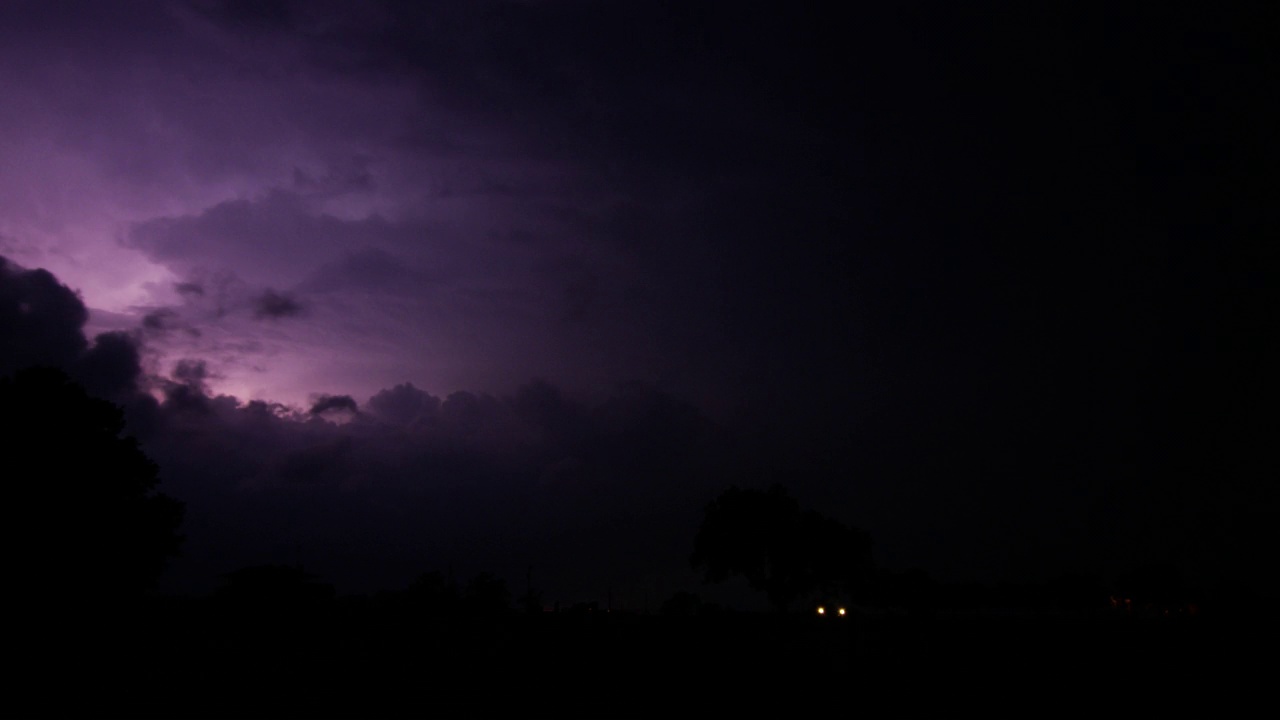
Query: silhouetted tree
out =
(434, 594)
(81, 516)
(487, 595)
(782, 551)
(681, 604)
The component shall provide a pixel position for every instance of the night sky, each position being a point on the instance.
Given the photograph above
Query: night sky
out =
(391, 287)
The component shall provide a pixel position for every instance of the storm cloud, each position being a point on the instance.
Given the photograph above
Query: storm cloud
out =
(535, 472)
(989, 285)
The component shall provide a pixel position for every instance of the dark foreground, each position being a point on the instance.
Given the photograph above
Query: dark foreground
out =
(194, 659)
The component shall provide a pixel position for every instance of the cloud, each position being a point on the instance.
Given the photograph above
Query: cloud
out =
(273, 305)
(370, 270)
(41, 320)
(161, 320)
(540, 476)
(469, 194)
(405, 405)
(194, 374)
(334, 403)
(262, 240)
(112, 367)
(42, 323)
(352, 176)
(323, 463)
(189, 288)
(249, 16)
(380, 497)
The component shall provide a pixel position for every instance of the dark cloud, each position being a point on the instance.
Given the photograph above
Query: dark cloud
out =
(354, 176)
(194, 374)
(650, 428)
(274, 305)
(161, 320)
(481, 420)
(334, 403)
(546, 407)
(405, 405)
(41, 320)
(654, 88)
(371, 270)
(189, 288)
(42, 323)
(264, 409)
(988, 284)
(183, 401)
(112, 367)
(528, 472)
(533, 472)
(494, 483)
(326, 463)
(249, 15)
(224, 292)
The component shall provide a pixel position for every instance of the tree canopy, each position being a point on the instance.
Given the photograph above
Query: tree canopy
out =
(82, 515)
(778, 548)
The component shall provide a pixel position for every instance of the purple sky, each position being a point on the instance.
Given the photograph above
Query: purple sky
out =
(179, 161)
(941, 267)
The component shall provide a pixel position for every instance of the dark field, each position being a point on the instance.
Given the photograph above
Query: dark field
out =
(358, 659)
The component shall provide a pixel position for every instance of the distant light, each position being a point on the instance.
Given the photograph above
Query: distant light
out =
(841, 611)
(822, 610)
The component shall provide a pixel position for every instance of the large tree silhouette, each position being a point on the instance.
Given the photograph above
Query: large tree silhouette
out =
(82, 521)
(779, 549)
